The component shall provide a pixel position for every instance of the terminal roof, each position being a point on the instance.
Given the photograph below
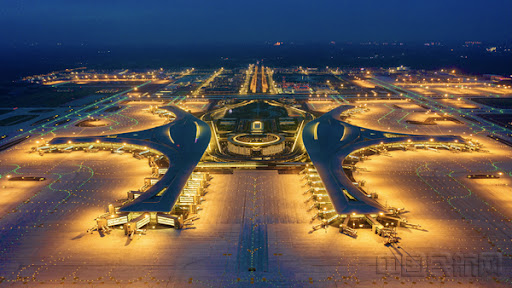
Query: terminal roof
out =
(328, 141)
(183, 142)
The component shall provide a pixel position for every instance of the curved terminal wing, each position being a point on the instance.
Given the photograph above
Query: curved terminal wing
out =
(182, 141)
(328, 141)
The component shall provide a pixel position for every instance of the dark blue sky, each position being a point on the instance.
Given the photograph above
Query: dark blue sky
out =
(249, 21)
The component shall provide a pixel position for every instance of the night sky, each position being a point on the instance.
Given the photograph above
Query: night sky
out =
(241, 21)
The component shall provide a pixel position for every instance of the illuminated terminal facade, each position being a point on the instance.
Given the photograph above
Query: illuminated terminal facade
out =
(173, 151)
(335, 146)
(172, 195)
